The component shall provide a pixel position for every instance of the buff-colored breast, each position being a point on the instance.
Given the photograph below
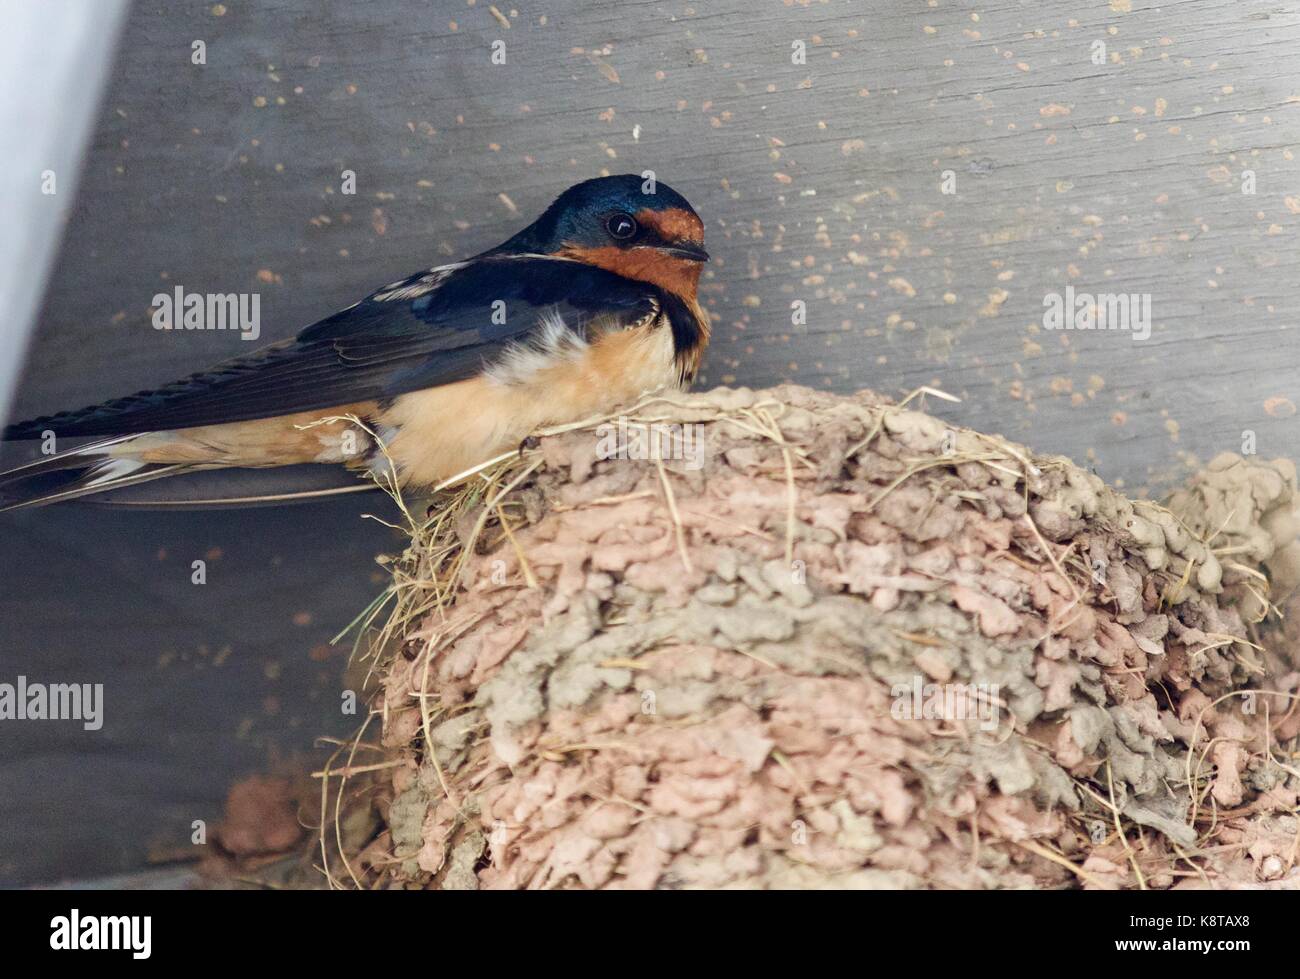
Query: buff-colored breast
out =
(443, 431)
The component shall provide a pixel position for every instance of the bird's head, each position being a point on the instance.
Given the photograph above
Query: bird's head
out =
(625, 224)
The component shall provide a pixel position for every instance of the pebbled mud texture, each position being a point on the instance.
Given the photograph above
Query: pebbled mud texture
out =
(847, 644)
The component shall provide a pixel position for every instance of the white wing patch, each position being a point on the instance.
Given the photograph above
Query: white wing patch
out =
(550, 343)
(425, 284)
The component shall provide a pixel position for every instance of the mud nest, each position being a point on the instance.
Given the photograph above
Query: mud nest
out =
(822, 641)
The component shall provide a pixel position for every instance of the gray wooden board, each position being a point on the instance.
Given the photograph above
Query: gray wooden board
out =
(819, 182)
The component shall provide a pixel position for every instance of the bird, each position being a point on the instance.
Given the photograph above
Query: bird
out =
(592, 306)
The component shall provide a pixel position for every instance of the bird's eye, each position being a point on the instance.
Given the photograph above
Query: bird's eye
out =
(620, 226)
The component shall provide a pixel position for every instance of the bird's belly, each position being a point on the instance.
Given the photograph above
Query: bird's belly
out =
(263, 442)
(440, 432)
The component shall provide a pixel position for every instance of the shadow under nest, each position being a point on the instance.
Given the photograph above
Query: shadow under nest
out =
(793, 639)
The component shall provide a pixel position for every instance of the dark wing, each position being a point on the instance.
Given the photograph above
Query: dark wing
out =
(430, 329)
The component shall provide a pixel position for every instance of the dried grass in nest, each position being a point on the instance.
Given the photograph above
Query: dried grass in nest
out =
(829, 549)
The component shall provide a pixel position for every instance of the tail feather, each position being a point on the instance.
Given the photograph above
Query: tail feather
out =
(72, 459)
(83, 471)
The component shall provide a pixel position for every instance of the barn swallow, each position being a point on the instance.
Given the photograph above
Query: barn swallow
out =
(591, 306)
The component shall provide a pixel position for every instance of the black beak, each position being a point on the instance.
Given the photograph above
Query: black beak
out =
(694, 253)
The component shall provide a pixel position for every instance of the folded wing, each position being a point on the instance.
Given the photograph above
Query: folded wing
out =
(433, 328)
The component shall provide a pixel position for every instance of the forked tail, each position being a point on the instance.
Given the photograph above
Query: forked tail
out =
(79, 472)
